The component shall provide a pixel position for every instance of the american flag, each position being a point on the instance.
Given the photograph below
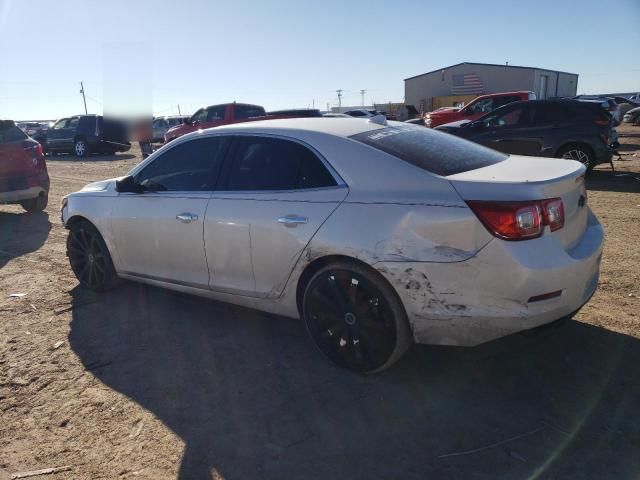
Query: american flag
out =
(466, 84)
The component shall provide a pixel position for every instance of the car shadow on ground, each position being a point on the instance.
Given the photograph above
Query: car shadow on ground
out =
(22, 233)
(251, 398)
(618, 181)
(89, 158)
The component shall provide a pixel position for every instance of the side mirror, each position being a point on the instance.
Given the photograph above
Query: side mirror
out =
(128, 185)
(467, 111)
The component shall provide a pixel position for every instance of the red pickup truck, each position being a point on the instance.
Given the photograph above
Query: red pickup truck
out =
(476, 108)
(228, 113)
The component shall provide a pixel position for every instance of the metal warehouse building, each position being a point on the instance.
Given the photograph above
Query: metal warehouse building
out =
(450, 86)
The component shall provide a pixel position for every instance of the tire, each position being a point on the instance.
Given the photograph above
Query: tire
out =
(81, 148)
(89, 257)
(580, 153)
(37, 204)
(355, 318)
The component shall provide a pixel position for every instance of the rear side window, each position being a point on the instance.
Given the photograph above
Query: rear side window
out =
(433, 151)
(551, 113)
(11, 134)
(248, 111)
(262, 163)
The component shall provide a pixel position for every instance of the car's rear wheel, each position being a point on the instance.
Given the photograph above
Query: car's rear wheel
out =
(89, 257)
(579, 153)
(36, 204)
(80, 148)
(355, 318)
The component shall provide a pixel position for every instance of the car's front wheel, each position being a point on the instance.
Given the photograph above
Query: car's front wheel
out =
(89, 257)
(36, 204)
(355, 318)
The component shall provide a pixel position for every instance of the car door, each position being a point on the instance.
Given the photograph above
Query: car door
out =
(507, 130)
(215, 116)
(275, 194)
(56, 134)
(159, 233)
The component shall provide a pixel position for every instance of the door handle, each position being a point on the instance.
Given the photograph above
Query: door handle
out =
(292, 220)
(186, 217)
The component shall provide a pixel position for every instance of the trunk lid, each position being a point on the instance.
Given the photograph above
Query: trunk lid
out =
(521, 178)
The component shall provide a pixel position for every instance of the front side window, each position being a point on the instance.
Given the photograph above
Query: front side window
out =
(200, 116)
(215, 114)
(430, 150)
(190, 166)
(500, 101)
(73, 123)
(262, 163)
(482, 106)
(507, 117)
(60, 124)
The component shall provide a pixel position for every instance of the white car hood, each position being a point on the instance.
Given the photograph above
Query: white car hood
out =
(101, 186)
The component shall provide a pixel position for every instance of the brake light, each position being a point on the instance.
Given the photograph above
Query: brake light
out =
(601, 121)
(519, 220)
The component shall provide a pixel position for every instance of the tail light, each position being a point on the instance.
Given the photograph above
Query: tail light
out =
(37, 152)
(601, 121)
(519, 220)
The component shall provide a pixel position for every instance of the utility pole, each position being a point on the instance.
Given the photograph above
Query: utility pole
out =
(328, 107)
(362, 92)
(339, 92)
(180, 114)
(314, 103)
(83, 99)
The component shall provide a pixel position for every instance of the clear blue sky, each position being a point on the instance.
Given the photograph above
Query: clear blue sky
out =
(289, 53)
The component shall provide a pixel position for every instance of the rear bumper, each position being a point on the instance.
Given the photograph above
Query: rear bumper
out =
(488, 296)
(23, 187)
(16, 196)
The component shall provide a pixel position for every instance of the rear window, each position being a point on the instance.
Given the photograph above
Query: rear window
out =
(248, 111)
(11, 134)
(436, 152)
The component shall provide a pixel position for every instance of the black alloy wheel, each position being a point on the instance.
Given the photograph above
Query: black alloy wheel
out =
(89, 257)
(355, 318)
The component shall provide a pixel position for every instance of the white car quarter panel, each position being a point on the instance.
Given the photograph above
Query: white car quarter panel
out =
(392, 232)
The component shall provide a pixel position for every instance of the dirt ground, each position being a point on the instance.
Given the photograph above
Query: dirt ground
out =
(145, 383)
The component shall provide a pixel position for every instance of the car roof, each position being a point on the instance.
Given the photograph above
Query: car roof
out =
(342, 127)
(501, 94)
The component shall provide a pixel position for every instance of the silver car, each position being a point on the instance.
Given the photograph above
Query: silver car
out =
(377, 235)
(161, 125)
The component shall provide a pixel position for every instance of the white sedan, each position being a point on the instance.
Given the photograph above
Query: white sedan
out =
(376, 235)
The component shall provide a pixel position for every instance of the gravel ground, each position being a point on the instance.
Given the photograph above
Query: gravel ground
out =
(145, 383)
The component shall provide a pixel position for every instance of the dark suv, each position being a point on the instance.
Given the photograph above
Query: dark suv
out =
(23, 171)
(85, 134)
(580, 131)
